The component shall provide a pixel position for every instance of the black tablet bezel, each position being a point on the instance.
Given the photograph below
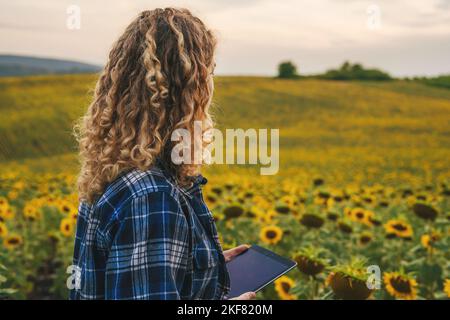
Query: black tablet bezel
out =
(290, 264)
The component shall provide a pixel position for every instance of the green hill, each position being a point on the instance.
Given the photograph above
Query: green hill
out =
(14, 65)
(325, 126)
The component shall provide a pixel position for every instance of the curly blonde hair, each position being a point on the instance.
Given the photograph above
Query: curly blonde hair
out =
(157, 79)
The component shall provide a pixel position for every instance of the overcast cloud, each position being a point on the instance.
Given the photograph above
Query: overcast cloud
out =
(413, 37)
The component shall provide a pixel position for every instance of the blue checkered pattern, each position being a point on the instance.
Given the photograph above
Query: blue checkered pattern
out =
(147, 238)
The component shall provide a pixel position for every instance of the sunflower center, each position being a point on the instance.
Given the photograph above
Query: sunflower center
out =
(399, 227)
(271, 234)
(286, 286)
(401, 285)
(434, 237)
(13, 241)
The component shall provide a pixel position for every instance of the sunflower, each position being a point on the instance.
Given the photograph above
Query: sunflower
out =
(211, 200)
(368, 218)
(374, 222)
(357, 214)
(349, 281)
(217, 216)
(217, 190)
(3, 203)
(312, 220)
(332, 216)
(7, 213)
(73, 216)
(447, 287)
(31, 212)
(302, 197)
(229, 186)
(356, 199)
(261, 202)
(233, 211)
(369, 198)
(268, 217)
(319, 201)
(383, 203)
(5, 210)
(429, 239)
(283, 286)
(66, 207)
(345, 227)
(360, 215)
(289, 200)
(318, 182)
(410, 201)
(424, 211)
(12, 241)
(13, 194)
(400, 285)
(330, 203)
(49, 201)
(282, 208)
(365, 238)
(254, 212)
(348, 212)
(347, 287)
(407, 192)
(3, 230)
(73, 197)
(271, 234)
(338, 195)
(66, 227)
(309, 266)
(398, 228)
(248, 195)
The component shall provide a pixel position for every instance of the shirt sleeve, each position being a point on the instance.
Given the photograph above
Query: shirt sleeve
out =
(148, 256)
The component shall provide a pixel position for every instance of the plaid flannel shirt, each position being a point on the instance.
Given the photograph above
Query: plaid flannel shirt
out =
(147, 238)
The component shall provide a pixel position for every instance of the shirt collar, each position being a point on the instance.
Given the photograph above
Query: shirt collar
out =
(190, 191)
(197, 183)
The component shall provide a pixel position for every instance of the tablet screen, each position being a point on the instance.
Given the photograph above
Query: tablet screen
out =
(254, 269)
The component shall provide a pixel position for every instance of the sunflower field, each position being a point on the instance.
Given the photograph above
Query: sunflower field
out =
(361, 201)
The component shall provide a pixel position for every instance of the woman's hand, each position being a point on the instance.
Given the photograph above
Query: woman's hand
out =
(229, 255)
(246, 296)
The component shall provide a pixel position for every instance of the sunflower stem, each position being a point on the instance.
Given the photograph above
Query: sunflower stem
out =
(314, 287)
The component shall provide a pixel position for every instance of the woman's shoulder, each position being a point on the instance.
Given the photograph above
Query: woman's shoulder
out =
(135, 184)
(131, 199)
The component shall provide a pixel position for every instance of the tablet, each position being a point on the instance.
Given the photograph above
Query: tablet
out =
(256, 268)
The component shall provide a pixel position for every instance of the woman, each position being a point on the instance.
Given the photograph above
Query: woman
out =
(143, 230)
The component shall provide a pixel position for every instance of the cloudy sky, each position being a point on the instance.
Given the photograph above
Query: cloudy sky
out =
(403, 37)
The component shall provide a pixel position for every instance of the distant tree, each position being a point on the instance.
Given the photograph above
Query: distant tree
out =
(357, 67)
(345, 66)
(287, 70)
(440, 81)
(348, 71)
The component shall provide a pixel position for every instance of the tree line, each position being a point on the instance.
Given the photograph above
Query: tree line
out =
(347, 71)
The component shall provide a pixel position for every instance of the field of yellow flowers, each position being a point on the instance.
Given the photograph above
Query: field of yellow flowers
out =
(334, 234)
(363, 192)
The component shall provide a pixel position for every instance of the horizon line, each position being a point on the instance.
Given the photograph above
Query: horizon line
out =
(95, 64)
